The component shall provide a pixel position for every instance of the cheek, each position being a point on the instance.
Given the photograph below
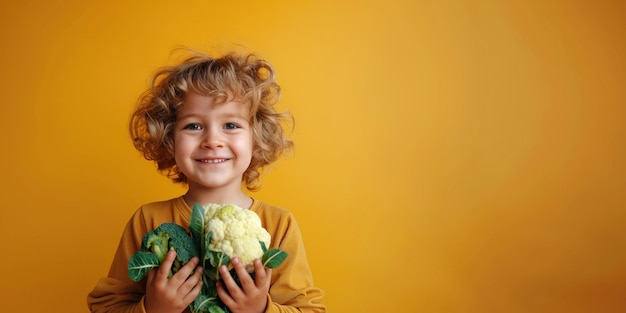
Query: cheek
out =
(181, 146)
(246, 146)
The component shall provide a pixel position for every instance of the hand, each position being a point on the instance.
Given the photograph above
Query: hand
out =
(172, 295)
(251, 297)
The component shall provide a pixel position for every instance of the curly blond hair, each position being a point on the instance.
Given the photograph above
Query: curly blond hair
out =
(232, 77)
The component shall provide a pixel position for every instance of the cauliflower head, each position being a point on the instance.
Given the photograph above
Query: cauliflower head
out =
(235, 231)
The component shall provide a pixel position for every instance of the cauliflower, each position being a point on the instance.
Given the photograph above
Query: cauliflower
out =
(236, 231)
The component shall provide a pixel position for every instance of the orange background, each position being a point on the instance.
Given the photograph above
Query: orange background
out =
(452, 156)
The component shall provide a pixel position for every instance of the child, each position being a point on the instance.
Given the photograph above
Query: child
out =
(210, 123)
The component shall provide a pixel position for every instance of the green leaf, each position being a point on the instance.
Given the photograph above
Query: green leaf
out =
(203, 303)
(218, 258)
(209, 287)
(217, 309)
(207, 241)
(140, 264)
(196, 224)
(263, 247)
(273, 258)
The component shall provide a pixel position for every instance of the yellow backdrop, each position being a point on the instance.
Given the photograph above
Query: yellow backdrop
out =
(452, 156)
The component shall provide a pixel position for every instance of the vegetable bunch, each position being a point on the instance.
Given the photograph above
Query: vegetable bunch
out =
(217, 233)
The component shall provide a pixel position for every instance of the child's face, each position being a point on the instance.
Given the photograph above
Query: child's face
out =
(212, 143)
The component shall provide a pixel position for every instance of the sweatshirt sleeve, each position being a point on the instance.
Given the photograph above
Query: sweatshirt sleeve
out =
(117, 293)
(292, 288)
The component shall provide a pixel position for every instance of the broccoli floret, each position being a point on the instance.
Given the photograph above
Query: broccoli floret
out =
(154, 248)
(170, 236)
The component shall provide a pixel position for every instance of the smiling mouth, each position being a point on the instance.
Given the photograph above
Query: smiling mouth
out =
(213, 161)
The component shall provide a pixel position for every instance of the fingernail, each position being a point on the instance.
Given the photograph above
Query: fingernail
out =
(235, 260)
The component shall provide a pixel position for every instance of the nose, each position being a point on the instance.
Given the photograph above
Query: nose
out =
(212, 138)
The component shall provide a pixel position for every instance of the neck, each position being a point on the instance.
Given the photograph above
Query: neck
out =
(217, 196)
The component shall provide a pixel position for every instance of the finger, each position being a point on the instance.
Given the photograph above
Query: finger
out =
(229, 283)
(192, 280)
(263, 276)
(260, 274)
(150, 276)
(195, 282)
(184, 272)
(164, 270)
(268, 280)
(224, 295)
(244, 277)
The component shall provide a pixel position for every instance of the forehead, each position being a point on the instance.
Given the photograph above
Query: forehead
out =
(197, 104)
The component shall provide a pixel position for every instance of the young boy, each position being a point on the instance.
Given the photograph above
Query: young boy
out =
(211, 123)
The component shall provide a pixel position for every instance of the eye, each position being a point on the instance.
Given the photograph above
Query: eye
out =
(193, 126)
(231, 126)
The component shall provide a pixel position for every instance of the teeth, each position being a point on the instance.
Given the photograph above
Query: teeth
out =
(213, 161)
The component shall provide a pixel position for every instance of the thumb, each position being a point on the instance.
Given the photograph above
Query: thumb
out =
(150, 276)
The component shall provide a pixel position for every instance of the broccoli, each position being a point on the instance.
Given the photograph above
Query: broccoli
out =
(154, 248)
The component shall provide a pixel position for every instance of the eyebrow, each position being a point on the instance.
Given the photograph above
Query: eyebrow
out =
(188, 115)
(224, 115)
(236, 115)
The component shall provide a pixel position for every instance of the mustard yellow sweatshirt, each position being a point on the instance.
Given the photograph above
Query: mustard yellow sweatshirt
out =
(292, 288)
